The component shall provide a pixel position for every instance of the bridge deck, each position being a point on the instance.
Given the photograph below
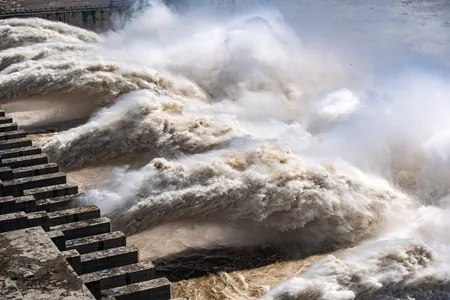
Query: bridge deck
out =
(7, 5)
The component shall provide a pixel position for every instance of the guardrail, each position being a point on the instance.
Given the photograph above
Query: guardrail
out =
(17, 12)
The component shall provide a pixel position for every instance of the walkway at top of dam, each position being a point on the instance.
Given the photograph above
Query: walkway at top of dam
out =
(8, 5)
(24, 8)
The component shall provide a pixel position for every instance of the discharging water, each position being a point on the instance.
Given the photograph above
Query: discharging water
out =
(240, 138)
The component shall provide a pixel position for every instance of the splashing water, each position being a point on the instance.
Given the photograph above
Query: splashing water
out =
(306, 119)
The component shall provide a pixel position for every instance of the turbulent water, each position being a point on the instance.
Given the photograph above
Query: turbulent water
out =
(313, 126)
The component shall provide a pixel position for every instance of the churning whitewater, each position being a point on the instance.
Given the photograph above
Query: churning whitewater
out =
(237, 117)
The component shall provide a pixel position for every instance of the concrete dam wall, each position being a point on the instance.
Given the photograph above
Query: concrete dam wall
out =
(100, 17)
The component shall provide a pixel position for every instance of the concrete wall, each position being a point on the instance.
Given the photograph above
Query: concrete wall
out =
(97, 19)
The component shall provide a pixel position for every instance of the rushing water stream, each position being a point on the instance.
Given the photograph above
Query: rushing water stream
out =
(241, 138)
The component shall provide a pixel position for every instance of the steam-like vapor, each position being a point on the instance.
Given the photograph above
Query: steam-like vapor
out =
(235, 116)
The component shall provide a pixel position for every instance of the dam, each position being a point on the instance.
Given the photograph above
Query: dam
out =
(52, 249)
(95, 15)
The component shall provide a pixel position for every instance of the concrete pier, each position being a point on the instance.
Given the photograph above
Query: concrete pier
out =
(51, 249)
(98, 242)
(33, 268)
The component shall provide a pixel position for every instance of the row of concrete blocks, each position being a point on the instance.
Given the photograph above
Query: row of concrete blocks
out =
(106, 264)
(34, 193)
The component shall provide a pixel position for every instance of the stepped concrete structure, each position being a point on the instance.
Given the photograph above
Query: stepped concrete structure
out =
(51, 249)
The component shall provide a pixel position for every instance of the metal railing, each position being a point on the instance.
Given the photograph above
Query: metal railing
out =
(17, 12)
